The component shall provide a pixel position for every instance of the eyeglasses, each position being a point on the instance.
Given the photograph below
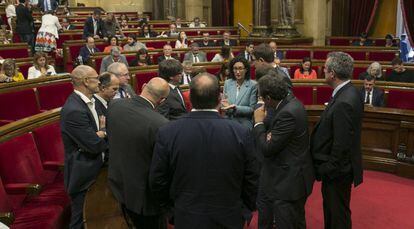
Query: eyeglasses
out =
(238, 69)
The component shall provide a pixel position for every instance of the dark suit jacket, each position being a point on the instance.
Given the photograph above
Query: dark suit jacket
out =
(173, 107)
(232, 43)
(132, 125)
(24, 20)
(84, 53)
(287, 170)
(206, 165)
(88, 28)
(41, 4)
(209, 44)
(377, 97)
(336, 138)
(161, 58)
(99, 107)
(83, 148)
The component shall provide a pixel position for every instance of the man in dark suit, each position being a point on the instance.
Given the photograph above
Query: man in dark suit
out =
(287, 171)
(132, 126)
(167, 54)
(207, 173)
(108, 87)
(87, 50)
(174, 106)
(206, 42)
(248, 52)
(121, 71)
(336, 142)
(370, 94)
(24, 23)
(47, 5)
(93, 26)
(83, 137)
(195, 55)
(226, 40)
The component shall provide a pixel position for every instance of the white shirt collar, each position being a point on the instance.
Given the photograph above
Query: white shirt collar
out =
(103, 101)
(210, 110)
(153, 106)
(172, 86)
(84, 98)
(339, 87)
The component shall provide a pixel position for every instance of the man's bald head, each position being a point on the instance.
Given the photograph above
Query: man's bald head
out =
(156, 90)
(80, 73)
(204, 91)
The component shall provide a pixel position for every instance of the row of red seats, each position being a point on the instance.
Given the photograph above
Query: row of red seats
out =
(34, 159)
(27, 102)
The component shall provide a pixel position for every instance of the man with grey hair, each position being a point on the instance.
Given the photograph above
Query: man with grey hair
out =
(336, 142)
(83, 137)
(121, 71)
(195, 55)
(114, 57)
(187, 71)
(132, 126)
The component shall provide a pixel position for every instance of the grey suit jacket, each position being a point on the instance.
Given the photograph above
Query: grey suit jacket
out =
(244, 102)
(201, 56)
(106, 61)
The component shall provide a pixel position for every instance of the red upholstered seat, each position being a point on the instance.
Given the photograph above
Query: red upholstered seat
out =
(381, 56)
(55, 95)
(157, 44)
(186, 97)
(155, 57)
(213, 70)
(304, 94)
(98, 62)
(357, 55)
(252, 72)
(24, 68)
(339, 41)
(17, 105)
(401, 99)
(323, 95)
(50, 146)
(297, 54)
(320, 54)
(15, 52)
(144, 77)
(357, 71)
(210, 54)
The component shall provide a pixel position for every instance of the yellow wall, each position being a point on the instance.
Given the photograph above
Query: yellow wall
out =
(243, 13)
(386, 19)
(119, 5)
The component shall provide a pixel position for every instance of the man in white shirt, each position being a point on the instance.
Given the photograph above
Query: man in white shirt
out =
(195, 55)
(196, 23)
(108, 87)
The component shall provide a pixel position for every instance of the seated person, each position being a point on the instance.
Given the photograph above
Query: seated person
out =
(178, 23)
(41, 67)
(283, 69)
(66, 25)
(133, 44)
(9, 72)
(224, 72)
(277, 53)
(112, 42)
(226, 40)
(206, 42)
(224, 55)
(181, 42)
(195, 55)
(196, 23)
(371, 95)
(142, 19)
(167, 54)
(374, 70)
(399, 72)
(123, 17)
(305, 70)
(389, 41)
(87, 50)
(114, 57)
(247, 54)
(124, 24)
(187, 72)
(172, 32)
(146, 32)
(142, 59)
(363, 40)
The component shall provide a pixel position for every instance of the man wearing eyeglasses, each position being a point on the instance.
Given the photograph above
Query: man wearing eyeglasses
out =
(121, 71)
(84, 140)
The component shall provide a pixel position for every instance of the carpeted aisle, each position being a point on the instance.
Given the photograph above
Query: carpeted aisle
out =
(382, 201)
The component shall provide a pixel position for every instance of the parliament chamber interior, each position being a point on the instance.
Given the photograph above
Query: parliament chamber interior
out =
(38, 64)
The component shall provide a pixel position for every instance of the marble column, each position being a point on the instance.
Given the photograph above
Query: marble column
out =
(170, 9)
(193, 8)
(286, 20)
(261, 18)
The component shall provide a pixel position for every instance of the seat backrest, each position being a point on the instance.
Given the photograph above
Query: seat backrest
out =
(4, 199)
(49, 143)
(297, 54)
(18, 104)
(358, 71)
(323, 95)
(14, 51)
(53, 96)
(304, 94)
(186, 97)
(400, 99)
(144, 77)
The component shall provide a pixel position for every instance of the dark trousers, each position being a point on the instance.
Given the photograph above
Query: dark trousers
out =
(281, 214)
(336, 198)
(231, 219)
(139, 221)
(76, 219)
(29, 39)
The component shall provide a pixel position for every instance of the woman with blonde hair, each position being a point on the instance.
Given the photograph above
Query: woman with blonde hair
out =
(9, 72)
(374, 70)
(41, 67)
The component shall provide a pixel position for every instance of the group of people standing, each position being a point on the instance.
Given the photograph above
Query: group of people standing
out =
(203, 170)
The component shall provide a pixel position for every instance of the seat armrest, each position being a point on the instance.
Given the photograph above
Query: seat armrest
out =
(23, 188)
(53, 165)
(6, 218)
